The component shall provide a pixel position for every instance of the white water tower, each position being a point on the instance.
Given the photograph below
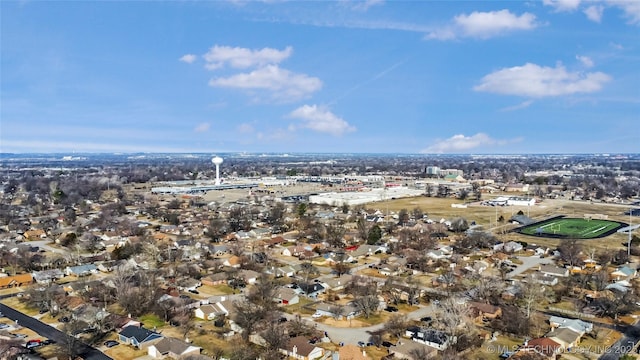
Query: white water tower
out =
(217, 161)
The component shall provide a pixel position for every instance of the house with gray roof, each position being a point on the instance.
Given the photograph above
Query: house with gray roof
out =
(576, 325)
(81, 270)
(138, 336)
(172, 348)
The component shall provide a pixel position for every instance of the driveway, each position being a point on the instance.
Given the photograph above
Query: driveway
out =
(528, 262)
(351, 335)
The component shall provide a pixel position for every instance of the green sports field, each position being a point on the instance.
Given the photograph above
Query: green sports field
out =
(571, 228)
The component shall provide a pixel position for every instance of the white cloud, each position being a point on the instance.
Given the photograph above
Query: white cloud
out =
(585, 60)
(594, 13)
(616, 46)
(203, 127)
(522, 105)
(562, 5)
(631, 9)
(484, 25)
(462, 143)
(366, 4)
(283, 84)
(536, 81)
(242, 58)
(188, 58)
(321, 119)
(245, 128)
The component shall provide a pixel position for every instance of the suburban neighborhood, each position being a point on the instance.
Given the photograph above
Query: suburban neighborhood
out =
(173, 260)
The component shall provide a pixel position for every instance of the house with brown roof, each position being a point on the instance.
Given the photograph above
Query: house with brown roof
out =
(352, 352)
(233, 261)
(214, 279)
(172, 348)
(300, 348)
(35, 234)
(16, 280)
(543, 346)
(481, 311)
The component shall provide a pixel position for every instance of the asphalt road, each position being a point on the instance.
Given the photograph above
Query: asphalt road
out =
(351, 335)
(624, 345)
(85, 351)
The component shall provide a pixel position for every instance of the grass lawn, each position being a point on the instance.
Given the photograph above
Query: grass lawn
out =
(151, 321)
(606, 337)
(17, 304)
(124, 352)
(571, 228)
(222, 289)
(493, 350)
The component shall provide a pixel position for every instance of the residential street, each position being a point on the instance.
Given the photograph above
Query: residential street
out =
(624, 345)
(85, 351)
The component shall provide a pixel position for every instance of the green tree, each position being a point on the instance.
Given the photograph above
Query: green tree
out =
(375, 234)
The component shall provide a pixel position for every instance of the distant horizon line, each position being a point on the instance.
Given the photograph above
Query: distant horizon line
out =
(308, 153)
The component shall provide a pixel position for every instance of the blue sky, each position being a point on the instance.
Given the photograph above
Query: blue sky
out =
(345, 76)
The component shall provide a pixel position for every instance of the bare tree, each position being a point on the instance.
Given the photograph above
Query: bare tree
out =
(367, 304)
(248, 316)
(396, 325)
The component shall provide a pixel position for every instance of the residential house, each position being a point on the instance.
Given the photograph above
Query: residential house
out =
(352, 352)
(300, 348)
(35, 234)
(311, 290)
(15, 280)
(206, 312)
(233, 261)
(138, 336)
(172, 348)
(81, 270)
(286, 296)
(47, 276)
(544, 279)
(428, 336)
(249, 276)
(189, 284)
(390, 269)
(367, 250)
(564, 336)
(623, 273)
(509, 247)
(554, 270)
(407, 350)
(577, 325)
(214, 279)
(119, 322)
(482, 311)
(543, 346)
(337, 284)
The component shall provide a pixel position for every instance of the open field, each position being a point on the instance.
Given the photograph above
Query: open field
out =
(573, 228)
(440, 208)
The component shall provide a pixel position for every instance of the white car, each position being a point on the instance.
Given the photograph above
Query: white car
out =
(316, 315)
(4, 326)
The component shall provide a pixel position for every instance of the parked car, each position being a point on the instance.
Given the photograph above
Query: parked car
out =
(20, 336)
(361, 343)
(4, 326)
(316, 315)
(48, 342)
(194, 292)
(64, 319)
(391, 309)
(33, 344)
(42, 311)
(282, 319)
(110, 343)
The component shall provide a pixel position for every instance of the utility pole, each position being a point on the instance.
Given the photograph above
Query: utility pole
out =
(629, 242)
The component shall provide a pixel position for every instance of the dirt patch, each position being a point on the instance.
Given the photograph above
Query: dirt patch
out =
(355, 323)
